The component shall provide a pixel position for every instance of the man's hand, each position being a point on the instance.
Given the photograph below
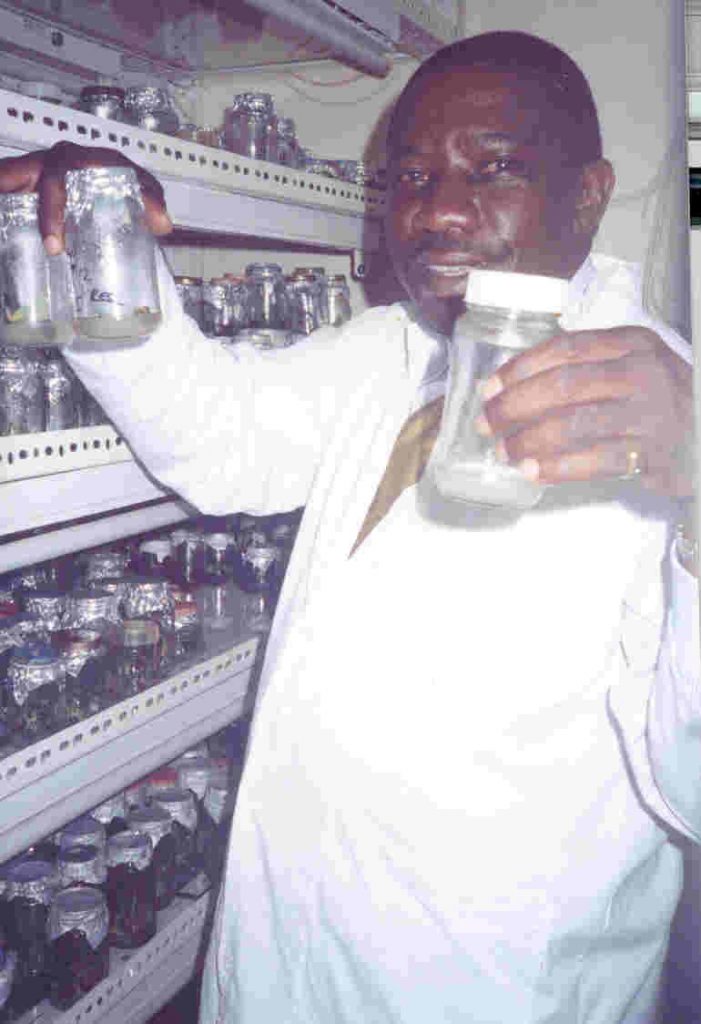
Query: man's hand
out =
(578, 405)
(44, 170)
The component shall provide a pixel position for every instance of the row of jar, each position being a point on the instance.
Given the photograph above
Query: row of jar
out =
(265, 299)
(100, 881)
(39, 391)
(251, 127)
(103, 291)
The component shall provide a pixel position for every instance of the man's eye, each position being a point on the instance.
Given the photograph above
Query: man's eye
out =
(503, 167)
(412, 176)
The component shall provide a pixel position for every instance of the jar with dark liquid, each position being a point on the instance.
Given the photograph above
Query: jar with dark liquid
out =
(140, 656)
(90, 672)
(157, 824)
(31, 886)
(36, 678)
(152, 599)
(79, 950)
(213, 829)
(131, 890)
(188, 549)
(180, 805)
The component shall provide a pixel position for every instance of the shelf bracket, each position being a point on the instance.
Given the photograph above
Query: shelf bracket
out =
(359, 264)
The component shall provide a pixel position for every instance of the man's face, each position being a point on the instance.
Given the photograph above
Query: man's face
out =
(474, 183)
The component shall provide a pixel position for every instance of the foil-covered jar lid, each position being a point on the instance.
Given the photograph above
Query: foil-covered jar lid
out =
(79, 909)
(195, 774)
(108, 810)
(85, 607)
(82, 864)
(140, 633)
(215, 800)
(131, 848)
(83, 831)
(32, 666)
(145, 596)
(16, 630)
(154, 822)
(47, 606)
(99, 564)
(78, 646)
(32, 880)
(180, 805)
(220, 541)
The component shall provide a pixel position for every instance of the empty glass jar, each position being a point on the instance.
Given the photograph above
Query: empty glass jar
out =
(266, 295)
(248, 125)
(112, 256)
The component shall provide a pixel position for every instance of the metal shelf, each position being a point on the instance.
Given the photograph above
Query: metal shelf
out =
(209, 189)
(29, 455)
(61, 777)
(142, 980)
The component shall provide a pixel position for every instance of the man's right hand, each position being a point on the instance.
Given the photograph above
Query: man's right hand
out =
(44, 172)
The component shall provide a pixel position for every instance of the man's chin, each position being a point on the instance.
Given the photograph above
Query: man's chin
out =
(439, 312)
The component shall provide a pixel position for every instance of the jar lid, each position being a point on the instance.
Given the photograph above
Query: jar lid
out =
(160, 548)
(33, 879)
(82, 864)
(533, 293)
(180, 804)
(154, 822)
(195, 774)
(84, 831)
(140, 633)
(79, 908)
(220, 541)
(189, 537)
(15, 202)
(115, 807)
(264, 269)
(129, 847)
(104, 563)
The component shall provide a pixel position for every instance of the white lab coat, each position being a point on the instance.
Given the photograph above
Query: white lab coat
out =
(468, 744)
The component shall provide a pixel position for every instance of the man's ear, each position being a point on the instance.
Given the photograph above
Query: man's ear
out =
(595, 187)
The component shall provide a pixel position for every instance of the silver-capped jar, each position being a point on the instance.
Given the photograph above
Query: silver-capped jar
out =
(31, 886)
(180, 805)
(284, 148)
(131, 889)
(102, 101)
(112, 813)
(35, 678)
(151, 108)
(87, 609)
(81, 865)
(157, 824)
(219, 555)
(101, 564)
(21, 393)
(339, 300)
(152, 599)
(248, 123)
(303, 304)
(61, 395)
(266, 295)
(190, 291)
(77, 930)
(155, 556)
(113, 258)
(139, 659)
(35, 298)
(224, 307)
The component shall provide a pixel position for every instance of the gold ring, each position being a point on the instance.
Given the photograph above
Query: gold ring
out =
(634, 467)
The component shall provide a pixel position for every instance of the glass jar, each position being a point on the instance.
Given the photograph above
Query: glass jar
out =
(83, 831)
(113, 258)
(81, 865)
(102, 101)
(35, 297)
(112, 814)
(88, 609)
(131, 890)
(157, 824)
(8, 963)
(155, 558)
(224, 308)
(36, 678)
(214, 825)
(60, 393)
(150, 108)
(152, 599)
(340, 310)
(266, 294)
(139, 659)
(195, 774)
(180, 805)
(78, 946)
(188, 630)
(90, 666)
(31, 885)
(505, 314)
(257, 574)
(188, 549)
(303, 307)
(247, 125)
(219, 556)
(284, 149)
(190, 291)
(21, 393)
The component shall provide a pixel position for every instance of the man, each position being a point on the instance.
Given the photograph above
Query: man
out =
(470, 745)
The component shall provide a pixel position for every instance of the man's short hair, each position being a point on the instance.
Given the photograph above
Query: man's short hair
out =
(559, 87)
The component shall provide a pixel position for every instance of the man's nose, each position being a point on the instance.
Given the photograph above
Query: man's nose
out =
(451, 202)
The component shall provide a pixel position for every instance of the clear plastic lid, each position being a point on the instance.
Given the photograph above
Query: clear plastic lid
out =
(533, 293)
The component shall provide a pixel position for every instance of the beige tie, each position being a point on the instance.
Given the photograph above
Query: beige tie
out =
(406, 463)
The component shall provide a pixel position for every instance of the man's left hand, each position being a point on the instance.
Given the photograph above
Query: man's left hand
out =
(591, 405)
